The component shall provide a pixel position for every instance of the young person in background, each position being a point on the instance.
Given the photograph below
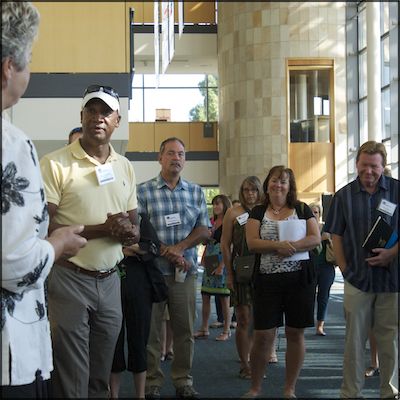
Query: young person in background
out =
(215, 283)
(325, 273)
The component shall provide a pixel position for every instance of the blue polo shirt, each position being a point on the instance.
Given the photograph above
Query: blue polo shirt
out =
(187, 200)
(351, 215)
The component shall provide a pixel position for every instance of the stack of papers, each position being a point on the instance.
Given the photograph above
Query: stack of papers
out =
(293, 230)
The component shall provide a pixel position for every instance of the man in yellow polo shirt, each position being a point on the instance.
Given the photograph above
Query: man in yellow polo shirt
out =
(88, 183)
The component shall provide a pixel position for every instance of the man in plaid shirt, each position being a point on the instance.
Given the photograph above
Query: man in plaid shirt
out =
(177, 210)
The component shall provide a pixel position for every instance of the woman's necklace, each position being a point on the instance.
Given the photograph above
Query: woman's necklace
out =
(276, 212)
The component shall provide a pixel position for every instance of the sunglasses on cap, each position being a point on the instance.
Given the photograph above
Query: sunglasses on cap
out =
(98, 88)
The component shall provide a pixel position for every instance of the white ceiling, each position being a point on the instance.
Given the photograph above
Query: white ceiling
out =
(194, 53)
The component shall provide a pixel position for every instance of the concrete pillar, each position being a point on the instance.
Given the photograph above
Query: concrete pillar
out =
(255, 40)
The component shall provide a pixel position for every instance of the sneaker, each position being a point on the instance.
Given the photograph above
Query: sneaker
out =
(153, 392)
(187, 392)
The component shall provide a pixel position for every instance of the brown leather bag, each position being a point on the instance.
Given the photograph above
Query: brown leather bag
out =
(244, 268)
(329, 254)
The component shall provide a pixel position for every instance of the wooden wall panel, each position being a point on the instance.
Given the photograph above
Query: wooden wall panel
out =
(322, 160)
(148, 12)
(147, 136)
(138, 6)
(197, 140)
(199, 12)
(141, 137)
(75, 37)
(300, 163)
(313, 167)
(164, 130)
(193, 12)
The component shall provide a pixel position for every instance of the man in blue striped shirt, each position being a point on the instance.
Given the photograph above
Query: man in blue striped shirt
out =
(178, 211)
(371, 278)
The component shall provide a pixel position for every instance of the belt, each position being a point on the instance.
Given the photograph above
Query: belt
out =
(79, 270)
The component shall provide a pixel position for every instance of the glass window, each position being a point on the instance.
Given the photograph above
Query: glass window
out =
(209, 194)
(388, 16)
(362, 77)
(385, 66)
(386, 113)
(362, 27)
(197, 94)
(384, 17)
(310, 105)
(388, 146)
(363, 120)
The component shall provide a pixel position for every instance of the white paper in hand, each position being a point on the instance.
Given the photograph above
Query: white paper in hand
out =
(293, 230)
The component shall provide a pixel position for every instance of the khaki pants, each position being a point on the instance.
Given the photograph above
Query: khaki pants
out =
(85, 318)
(182, 310)
(363, 311)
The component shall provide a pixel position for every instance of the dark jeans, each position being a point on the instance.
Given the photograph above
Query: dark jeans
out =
(325, 278)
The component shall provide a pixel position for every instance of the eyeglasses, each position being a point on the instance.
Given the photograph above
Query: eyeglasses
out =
(98, 88)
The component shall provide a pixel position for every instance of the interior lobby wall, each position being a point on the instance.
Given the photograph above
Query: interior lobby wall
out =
(255, 39)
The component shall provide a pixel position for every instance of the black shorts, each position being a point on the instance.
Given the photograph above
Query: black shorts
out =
(136, 296)
(283, 295)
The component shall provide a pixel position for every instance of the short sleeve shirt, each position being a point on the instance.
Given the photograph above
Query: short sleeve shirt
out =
(186, 202)
(351, 215)
(71, 183)
(26, 261)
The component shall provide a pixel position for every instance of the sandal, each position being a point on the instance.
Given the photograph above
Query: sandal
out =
(223, 336)
(244, 373)
(273, 360)
(201, 334)
(216, 324)
(371, 371)
(169, 356)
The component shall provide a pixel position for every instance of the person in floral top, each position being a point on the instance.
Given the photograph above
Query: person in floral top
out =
(28, 254)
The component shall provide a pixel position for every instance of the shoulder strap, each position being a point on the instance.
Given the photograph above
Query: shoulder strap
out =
(300, 209)
(260, 219)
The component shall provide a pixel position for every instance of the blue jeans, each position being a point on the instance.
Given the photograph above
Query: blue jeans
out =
(325, 278)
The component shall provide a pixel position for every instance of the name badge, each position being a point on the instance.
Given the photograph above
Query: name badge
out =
(105, 174)
(242, 218)
(387, 207)
(172, 220)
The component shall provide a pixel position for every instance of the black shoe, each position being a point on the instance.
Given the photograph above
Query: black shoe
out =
(187, 392)
(153, 392)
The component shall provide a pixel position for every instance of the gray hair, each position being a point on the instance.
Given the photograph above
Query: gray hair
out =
(19, 28)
